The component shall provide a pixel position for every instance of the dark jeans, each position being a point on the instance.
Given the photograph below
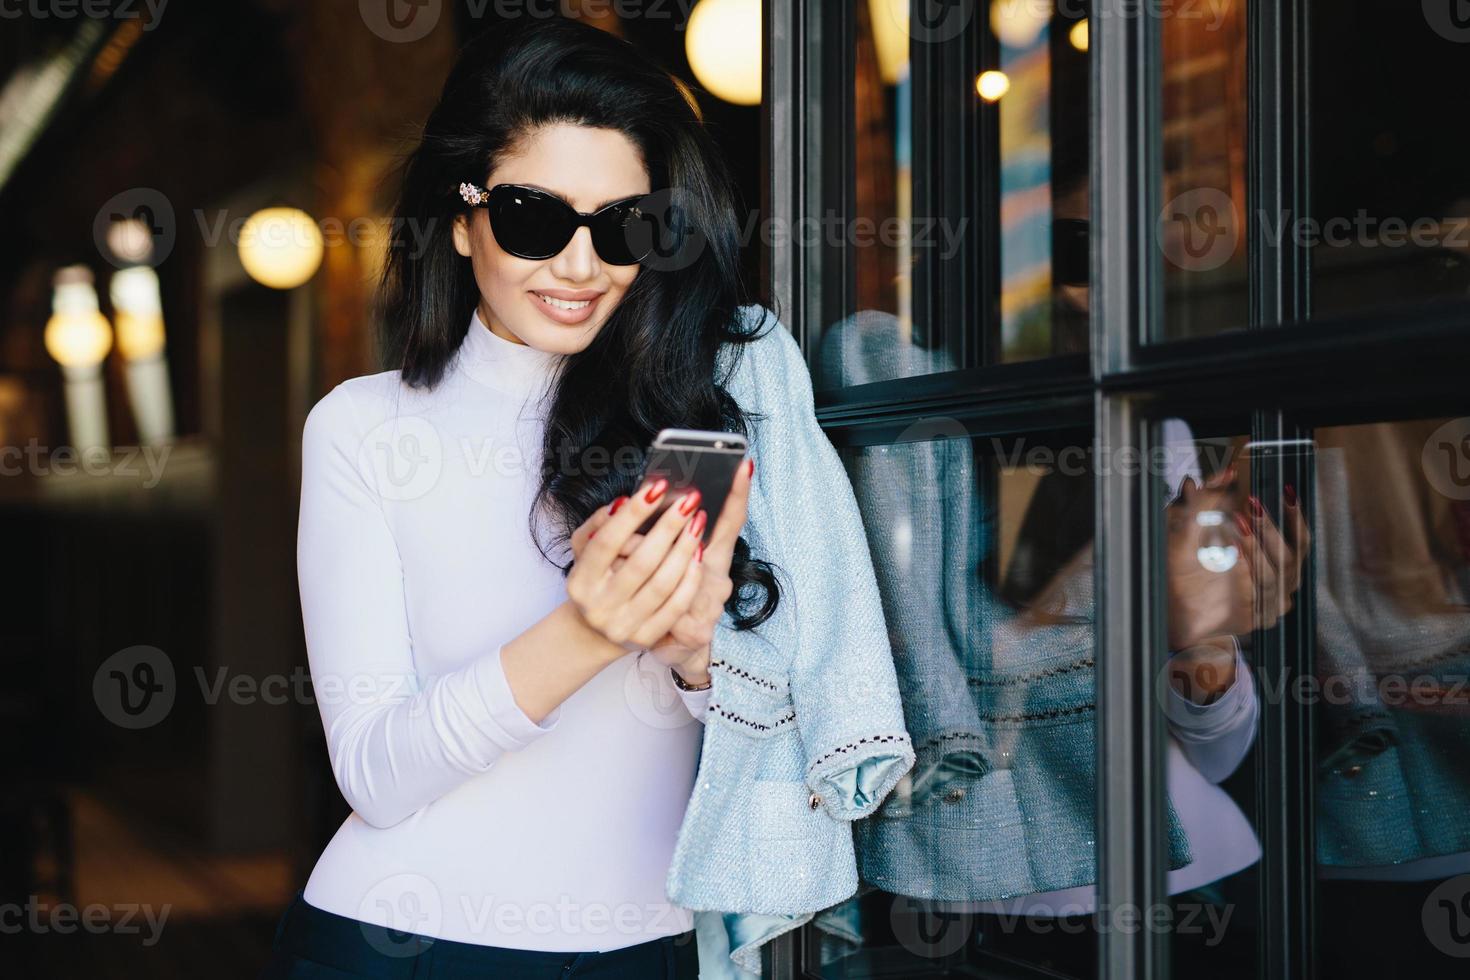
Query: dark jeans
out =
(313, 944)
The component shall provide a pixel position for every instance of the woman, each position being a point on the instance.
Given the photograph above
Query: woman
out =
(446, 627)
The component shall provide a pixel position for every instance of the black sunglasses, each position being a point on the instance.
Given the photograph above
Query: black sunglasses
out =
(532, 224)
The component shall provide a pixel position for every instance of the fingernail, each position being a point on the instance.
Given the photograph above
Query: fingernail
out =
(1289, 492)
(690, 501)
(696, 526)
(591, 535)
(616, 504)
(750, 466)
(699, 552)
(1243, 524)
(1256, 506)
(657, 490)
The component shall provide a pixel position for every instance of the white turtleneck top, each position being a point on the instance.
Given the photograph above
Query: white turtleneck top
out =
(416, 563)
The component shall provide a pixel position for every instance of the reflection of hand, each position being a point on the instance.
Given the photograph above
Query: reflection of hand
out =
(686, 646)
(1256, 591)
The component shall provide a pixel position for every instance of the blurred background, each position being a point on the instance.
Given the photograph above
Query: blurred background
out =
(195, 196)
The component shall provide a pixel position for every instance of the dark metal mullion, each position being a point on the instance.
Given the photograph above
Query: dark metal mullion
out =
(1276, 177)
(980, 121)
(1285, 749)
(1126, 169)
(793, 107)
(1277, 188)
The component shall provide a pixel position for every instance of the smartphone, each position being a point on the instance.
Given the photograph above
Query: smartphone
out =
(1281, 462)
(693, 458)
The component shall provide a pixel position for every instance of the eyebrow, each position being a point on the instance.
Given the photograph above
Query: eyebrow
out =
(558, 194)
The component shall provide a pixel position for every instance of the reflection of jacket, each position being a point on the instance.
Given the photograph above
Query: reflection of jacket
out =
(804, 730)
(1394, 776)
(1001, 798)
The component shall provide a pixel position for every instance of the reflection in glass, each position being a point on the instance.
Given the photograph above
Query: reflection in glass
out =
(1036, 200)
(1202, 221)
(1393, 682)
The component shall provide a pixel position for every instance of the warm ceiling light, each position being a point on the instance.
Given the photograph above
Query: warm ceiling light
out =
(281, 247)
(1078, 35)
(890, 20)
(78, 336)
(991, 85)
(138, 308)
(723, 43)
(1018, 23)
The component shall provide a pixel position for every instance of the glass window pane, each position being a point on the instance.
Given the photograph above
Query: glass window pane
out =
(1026, 113)
(984, 852)
(1392, 531)
(1363, 536)
(1389, 186)
(1201, 230)
(1208, 692)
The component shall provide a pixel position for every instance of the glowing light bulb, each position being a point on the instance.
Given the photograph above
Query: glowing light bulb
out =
(991, 85)
(281, 247)
(723, 43)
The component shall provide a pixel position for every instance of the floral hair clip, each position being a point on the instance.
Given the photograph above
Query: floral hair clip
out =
(472, 194)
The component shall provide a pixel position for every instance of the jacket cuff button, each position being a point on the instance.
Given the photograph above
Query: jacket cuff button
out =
(815, 801)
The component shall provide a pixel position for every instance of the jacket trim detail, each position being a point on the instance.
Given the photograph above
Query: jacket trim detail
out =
(851, 746)
(766, 683)
(1086, 664)
(782, 722)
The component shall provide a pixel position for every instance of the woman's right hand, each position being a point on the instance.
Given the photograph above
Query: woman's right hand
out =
(635, 600)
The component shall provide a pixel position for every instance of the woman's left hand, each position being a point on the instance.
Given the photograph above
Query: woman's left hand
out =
(686, 647)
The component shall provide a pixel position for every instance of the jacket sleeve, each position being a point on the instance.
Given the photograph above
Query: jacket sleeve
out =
(397, 742)
(843, 683)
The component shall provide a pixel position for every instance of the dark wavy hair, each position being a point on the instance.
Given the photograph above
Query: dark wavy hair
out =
(653, 364)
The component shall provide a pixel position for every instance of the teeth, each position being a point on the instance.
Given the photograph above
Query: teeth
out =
(563, 304)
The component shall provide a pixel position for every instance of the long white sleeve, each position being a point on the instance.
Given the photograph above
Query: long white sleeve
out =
(1215, 737)
(397, 742)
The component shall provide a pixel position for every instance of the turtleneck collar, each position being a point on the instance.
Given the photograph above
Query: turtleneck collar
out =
(504, 364)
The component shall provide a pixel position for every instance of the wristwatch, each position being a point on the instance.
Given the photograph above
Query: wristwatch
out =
(683, 685)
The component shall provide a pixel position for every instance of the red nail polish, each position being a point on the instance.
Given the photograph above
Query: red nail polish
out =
(699, 552)
(1256, 506)
(1289, 492)
(616, 504)
(691, 501)
(696, 526)
(750, 466)
(1243, 524)
(657, 490)
(591, 535)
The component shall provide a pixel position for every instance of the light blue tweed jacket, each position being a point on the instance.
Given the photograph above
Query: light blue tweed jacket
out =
(804, 730)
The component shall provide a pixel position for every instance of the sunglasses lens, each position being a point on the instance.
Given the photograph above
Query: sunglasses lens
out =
(529, 225)
(620, 234)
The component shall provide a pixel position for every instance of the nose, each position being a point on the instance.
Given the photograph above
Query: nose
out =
(578, 262)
